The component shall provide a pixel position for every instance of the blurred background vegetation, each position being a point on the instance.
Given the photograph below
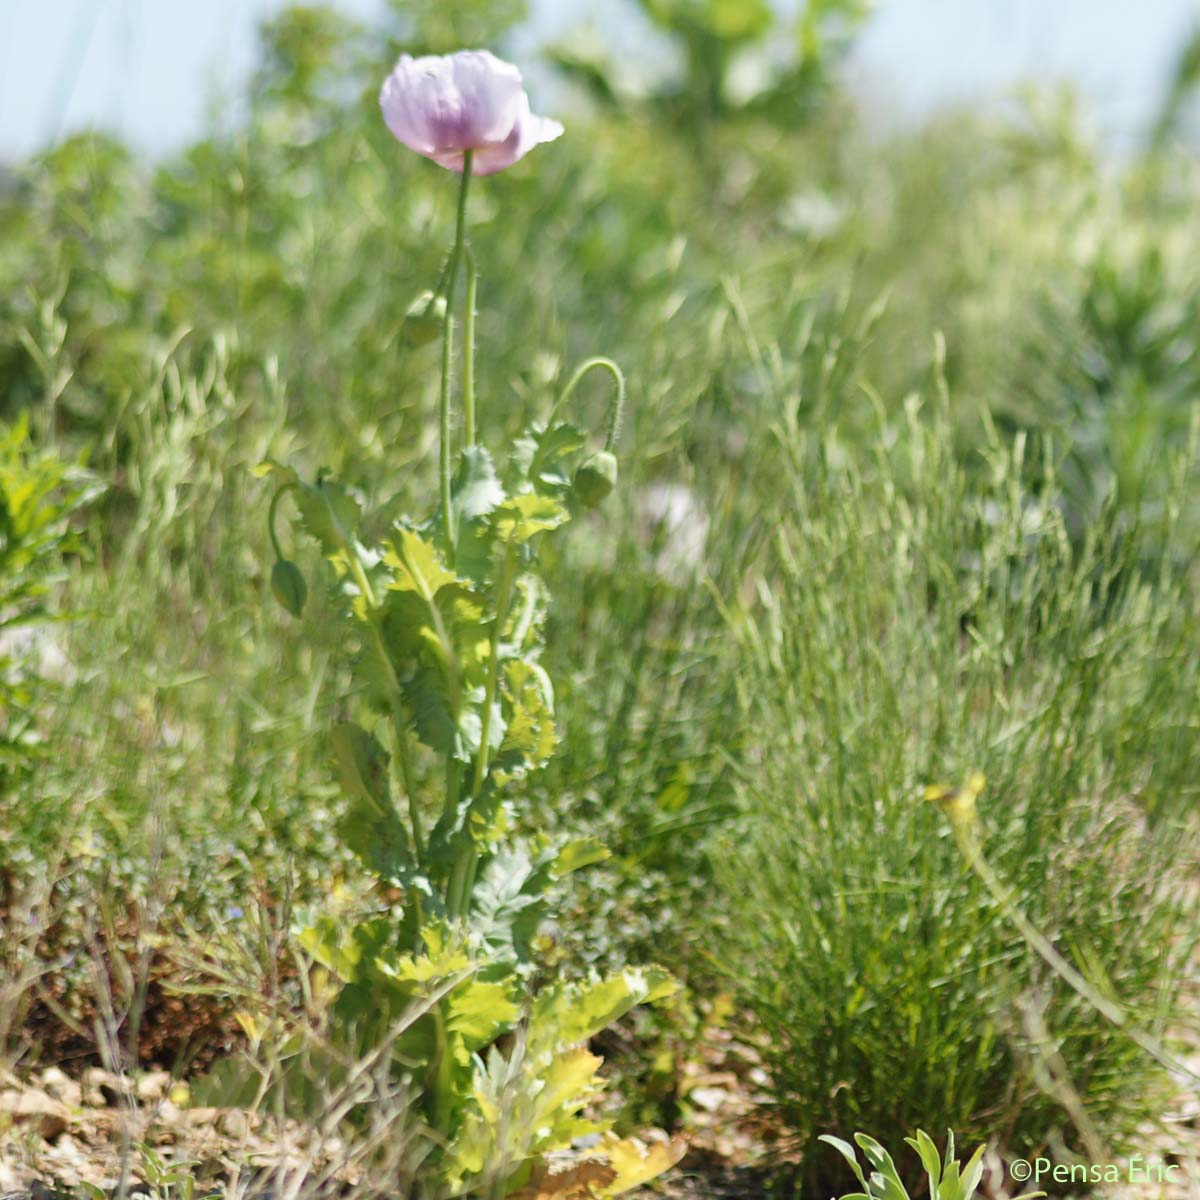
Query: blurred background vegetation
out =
(841, 563)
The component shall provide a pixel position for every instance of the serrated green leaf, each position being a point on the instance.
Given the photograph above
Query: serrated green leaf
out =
(416, 564)
(519, 519)
(479, 1012)
(362, 765)
(508, 902)
(428, 696)
(567, 1013)
(370, 825)
(540, 457)
(328, 513)
(348, 953)
(476, 489)
(530, 733)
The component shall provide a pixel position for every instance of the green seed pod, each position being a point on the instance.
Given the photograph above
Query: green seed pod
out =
(288, 585)
(595, 478)
(423, 320)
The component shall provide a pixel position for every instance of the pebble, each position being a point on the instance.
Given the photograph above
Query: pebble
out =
(32, 1106)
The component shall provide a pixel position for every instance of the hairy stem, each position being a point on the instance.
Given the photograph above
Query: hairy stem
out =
(447, 354)
(469, 351)
(616, 412)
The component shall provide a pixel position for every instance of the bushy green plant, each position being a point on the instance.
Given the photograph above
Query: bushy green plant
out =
(39, 494)
(906, 622)
(949, 1180)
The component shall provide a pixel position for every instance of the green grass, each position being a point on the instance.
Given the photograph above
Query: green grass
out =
(906, 626)
(863, 594)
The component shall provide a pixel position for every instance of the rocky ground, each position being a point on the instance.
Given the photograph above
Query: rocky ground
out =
(101, 1133)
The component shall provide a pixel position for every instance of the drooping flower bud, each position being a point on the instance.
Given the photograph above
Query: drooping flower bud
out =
(595, 478)
(288, 586)
(423, 320)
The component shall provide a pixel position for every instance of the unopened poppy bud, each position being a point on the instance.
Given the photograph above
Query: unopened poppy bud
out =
(595, 479)
(288, 586)
(424, 319)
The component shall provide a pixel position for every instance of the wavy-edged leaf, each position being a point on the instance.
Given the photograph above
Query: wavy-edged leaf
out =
(416, 564)
(636, 1163)
(564, 1014)
(476, 489)
(530, 731)
(519, 519)
(479, 1011)
(370, 825)
(540, 457)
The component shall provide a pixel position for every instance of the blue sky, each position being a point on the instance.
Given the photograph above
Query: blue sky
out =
(151, 69)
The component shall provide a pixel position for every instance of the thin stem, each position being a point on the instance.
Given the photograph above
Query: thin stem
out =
(447, 354)
(287, 487)
(968, 837)
(616, 412)
(463, 881)
(503, 594)
(469, 352)
(454, 888)
(414, 812)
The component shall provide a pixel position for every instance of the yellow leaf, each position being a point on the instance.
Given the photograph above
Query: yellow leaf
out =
(567, 1085)
(251, 1026)
(636, 1163)
(417, 565)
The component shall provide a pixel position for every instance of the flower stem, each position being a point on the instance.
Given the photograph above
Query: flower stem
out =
(616, 412)
(279, 494)
(469, 352)
(447, 354)
(503, 594)
(463, 881)
(968, 838)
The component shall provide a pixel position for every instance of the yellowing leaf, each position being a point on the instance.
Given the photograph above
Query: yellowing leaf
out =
(636, 1163)
(582, 852)
(567, 1084)
(521, 517)
(417, 565)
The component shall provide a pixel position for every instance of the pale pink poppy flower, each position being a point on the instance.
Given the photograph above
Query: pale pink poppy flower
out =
(442, 105)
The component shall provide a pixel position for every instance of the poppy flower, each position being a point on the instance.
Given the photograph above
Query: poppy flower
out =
(442, 105)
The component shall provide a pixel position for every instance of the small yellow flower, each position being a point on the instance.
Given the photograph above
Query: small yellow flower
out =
(958, 803)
